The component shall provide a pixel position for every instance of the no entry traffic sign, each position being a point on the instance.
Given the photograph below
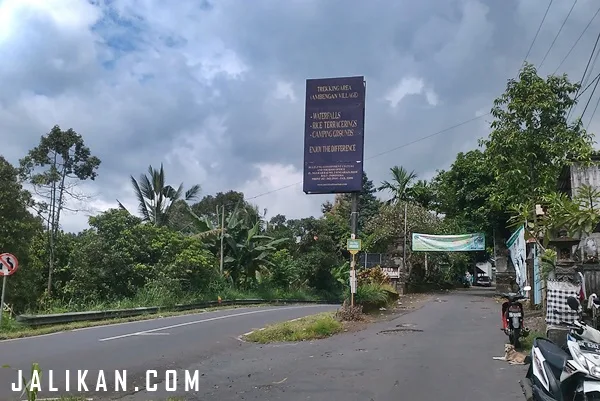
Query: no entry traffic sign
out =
(8, 264)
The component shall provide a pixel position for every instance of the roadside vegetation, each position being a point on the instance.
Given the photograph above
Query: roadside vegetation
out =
(168, 250)
(307, 328)
(374, 293)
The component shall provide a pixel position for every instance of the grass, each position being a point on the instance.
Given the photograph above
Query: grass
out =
(313, 327)
(163, 297)
(527, 342)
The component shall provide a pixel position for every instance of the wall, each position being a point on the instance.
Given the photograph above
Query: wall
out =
(580, 175)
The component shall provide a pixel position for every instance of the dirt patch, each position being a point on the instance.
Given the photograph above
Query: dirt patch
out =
(353, 327)
(406, 303)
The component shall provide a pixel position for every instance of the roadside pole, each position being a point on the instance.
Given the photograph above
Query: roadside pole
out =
(405, 238)
(2, 299)
(222, 236)
(8, 266)
(353, 246)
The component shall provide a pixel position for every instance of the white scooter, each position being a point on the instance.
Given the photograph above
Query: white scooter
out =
(557, 375)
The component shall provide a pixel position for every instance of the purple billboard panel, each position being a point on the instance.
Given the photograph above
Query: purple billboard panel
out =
(334, 135)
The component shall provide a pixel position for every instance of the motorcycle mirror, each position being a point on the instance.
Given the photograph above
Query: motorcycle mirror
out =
(573, 303)
(527, 288)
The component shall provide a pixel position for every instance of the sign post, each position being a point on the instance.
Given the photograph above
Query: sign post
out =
(8, 266)
(353, 246)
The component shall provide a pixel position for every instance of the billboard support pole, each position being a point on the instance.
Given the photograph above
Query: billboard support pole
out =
(353, 230)
(405, 236)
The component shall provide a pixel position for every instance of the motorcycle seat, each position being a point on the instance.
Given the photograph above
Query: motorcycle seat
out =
(554, 355)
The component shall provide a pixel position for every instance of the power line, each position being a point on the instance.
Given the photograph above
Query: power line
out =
(585, 71)
(587, 87)
(590, 59)
(537, 33)
(428, 136)
(577, 41)
(590, 99)
(592, 67)
(593, 114)
(558, 34)
(379, 154)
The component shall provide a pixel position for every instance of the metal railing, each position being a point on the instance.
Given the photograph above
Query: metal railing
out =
(71, 317)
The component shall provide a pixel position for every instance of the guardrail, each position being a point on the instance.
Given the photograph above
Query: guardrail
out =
(71, 317)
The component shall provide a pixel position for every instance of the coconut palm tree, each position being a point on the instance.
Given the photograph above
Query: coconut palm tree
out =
(400, 184)
(156, 198)
(422, 193)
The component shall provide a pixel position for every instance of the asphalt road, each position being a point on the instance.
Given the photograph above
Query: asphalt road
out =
(447, 356)
(449, 360)
(167, 343)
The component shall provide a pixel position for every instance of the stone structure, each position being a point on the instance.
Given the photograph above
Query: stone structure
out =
(505, 272)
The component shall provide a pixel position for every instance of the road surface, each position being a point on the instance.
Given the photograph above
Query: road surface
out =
(173, 342)
(447, 356)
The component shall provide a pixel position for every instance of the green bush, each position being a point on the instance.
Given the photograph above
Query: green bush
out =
(371, 297)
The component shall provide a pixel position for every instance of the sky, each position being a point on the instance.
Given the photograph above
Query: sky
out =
(215, 90)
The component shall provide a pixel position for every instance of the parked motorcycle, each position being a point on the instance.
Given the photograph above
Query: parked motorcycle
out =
(558, 375)
(594, 307)
(512, 317)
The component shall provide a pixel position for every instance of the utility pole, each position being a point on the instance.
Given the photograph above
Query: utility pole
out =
(222, 236)
(354, 232)
(495, 264)
(405, 237)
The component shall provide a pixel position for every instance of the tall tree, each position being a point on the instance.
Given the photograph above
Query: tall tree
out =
(463, 191)
(54, 168)
(156, 198)
(209, 204)
(338, 213)
(18, 230)
(400, 184)
(422, 193)
(531, 139)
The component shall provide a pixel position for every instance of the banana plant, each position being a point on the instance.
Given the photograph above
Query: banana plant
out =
(248, 252)
(341, 274)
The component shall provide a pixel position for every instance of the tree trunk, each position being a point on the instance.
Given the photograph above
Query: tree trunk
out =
(51, 230)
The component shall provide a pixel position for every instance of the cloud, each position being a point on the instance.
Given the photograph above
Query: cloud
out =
(410, 86)
(215, 90)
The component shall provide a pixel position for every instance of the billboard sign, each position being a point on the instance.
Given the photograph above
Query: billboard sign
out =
(334, 135)
(448, 243)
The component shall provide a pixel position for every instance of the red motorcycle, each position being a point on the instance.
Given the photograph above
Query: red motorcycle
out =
(512, 317)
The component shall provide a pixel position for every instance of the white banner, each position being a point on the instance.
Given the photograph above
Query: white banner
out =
(516, 247)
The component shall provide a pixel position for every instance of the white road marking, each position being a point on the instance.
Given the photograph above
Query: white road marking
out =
(137, 333)
(153, 334)
(150, 318)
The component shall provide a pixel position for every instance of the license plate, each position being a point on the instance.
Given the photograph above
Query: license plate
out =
(514, 314)
(591, 386)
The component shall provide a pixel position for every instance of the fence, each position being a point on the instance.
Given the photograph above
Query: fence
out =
(368, 260)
